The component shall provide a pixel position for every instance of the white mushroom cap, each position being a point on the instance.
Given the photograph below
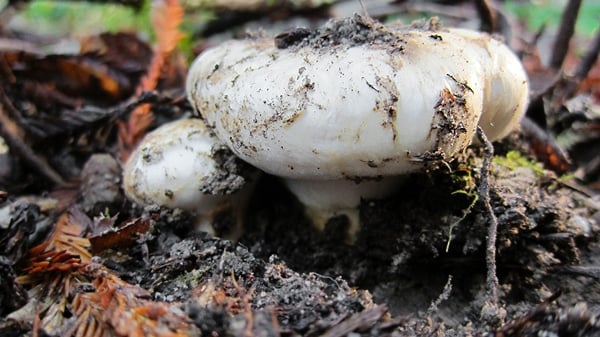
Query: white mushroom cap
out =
(506, 86)
(356, 101)
(326, 109)
(183, 165)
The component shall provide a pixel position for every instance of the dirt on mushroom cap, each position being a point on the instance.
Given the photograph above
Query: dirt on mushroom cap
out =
(306, 108)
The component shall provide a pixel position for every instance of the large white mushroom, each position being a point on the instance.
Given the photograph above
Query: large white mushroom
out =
(341, 112)
(182, 164)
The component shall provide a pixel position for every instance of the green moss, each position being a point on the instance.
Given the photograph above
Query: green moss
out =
(548, 12)
(465, 180)
(515, 159)
(193, 277)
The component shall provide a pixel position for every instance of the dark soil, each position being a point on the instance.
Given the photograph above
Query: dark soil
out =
(397, 279)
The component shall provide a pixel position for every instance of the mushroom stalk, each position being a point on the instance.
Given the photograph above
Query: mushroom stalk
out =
(325, 199)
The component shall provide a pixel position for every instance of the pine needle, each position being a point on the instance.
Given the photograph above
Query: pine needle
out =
(167, 15)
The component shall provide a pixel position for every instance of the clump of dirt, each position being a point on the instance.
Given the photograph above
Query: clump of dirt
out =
(231, 173)
(352, 31)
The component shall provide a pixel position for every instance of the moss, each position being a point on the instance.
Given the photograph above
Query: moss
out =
(193, 278)
(515, 159)
(463, 177)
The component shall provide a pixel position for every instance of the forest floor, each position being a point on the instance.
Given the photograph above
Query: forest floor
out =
(78, 259)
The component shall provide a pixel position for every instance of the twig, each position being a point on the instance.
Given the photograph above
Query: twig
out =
(442, 297)
(358, 321)
(90, 117)
(248, 331)
(589, 59)
(151, 97)
(490, 256)
(167, 15)
(487, 15)
(13, 135)
(587, 271)
(566, 31)
(364, 9)
(519, 325)
(583, 68)
(545, 147)
(566, 86)
(484, 194)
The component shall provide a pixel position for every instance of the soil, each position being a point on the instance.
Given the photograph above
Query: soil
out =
(403, 276)
(399, 266)
(419, 266)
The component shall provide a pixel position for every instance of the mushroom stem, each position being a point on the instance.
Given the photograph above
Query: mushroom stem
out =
(324, 199)
(224, 215)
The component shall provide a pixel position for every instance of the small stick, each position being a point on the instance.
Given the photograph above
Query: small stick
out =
(13, 135)
(589, 59)
(487, 15)
(364, 9)
(119, 111)
(484, 196)
(441, 298)
(566, 86)
(243, 294)
(566, 31)
(583, 68)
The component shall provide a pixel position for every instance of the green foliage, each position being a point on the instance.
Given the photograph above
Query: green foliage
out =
(81, 18)
(474, 198)
(189, 25)
(515, 159)
(536, 13)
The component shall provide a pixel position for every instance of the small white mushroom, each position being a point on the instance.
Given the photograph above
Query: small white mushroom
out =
(341, 112)
(183, 165)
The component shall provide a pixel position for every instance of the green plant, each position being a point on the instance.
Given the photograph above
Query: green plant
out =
(469, 190)
(536, 13)
(81, 18)
(515, 159)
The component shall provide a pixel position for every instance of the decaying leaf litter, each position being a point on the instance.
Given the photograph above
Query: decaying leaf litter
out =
(418, 267)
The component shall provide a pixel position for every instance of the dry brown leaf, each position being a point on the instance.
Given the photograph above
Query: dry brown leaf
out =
(120, 237)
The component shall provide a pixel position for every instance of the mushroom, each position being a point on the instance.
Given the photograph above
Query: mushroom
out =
(182, 164)
(342, 112)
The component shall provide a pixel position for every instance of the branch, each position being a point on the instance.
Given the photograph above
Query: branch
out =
(491, 311)
(13, 135)
(567, 28)
(487, 15)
